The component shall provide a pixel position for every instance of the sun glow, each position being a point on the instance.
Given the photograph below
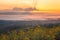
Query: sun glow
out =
(42, 5)
(49, 5)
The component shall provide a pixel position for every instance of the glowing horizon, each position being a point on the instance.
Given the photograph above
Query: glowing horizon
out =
(46, 5)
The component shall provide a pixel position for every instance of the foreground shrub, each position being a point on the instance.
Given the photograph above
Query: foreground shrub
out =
(36, 33)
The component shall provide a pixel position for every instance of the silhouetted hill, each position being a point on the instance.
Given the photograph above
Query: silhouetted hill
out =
(7, 25)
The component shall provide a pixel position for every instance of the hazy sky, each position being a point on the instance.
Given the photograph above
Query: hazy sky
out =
(41, 4)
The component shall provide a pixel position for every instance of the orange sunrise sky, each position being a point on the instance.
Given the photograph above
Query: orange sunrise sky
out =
(49, 5)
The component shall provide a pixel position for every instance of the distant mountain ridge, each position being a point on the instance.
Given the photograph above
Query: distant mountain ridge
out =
(6, 25)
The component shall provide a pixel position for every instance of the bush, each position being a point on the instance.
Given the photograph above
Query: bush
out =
(35, 33)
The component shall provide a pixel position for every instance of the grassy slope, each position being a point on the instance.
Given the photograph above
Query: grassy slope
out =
(36, 33)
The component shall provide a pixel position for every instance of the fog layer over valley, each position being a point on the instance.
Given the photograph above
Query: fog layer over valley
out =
(28, 16)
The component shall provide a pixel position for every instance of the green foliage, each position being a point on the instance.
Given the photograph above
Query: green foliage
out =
(36, 33)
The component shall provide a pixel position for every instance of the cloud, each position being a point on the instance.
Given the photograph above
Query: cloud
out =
(15, 13)
(21, 9)
(29, 9)
(17, 9)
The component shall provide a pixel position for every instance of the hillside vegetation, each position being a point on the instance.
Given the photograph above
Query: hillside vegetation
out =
(35, 33)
